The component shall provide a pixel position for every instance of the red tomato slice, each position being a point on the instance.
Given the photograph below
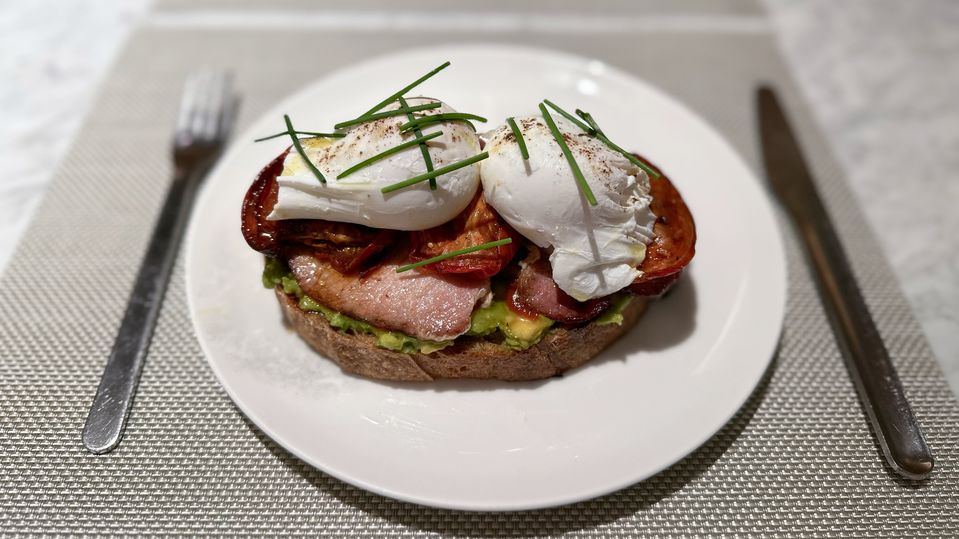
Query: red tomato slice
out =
(675, 242)
(475, 225)
(260, 234)
(348, 247)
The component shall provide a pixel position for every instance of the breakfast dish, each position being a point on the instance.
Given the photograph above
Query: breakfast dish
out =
(647, 400)
(405, 245)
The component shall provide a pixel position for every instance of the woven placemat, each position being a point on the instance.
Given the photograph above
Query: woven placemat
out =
(534, 7)
(797, 460)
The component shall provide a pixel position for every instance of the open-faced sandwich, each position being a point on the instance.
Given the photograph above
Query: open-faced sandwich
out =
(405, 246)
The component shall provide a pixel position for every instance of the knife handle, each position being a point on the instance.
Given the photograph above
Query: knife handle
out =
(870, 366)
(862, 347)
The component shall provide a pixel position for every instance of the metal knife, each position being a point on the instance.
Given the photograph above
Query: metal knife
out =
(867, 359)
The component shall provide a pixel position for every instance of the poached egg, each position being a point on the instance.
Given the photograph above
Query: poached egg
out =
(357, 198)
(596, 250)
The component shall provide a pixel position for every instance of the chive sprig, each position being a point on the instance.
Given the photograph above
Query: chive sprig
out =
(569, 117)
(588, 118)
(451, 254)
(594, 130)
(310, 133)
(386, 153)
(386, 114)
(616, 148)
(444, 117)
(577, 173)
(406, 88)
(518, 135)
(299, 149)
(427, 159)
(438, 172)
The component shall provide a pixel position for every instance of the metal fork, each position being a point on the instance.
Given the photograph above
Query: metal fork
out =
(205, 119)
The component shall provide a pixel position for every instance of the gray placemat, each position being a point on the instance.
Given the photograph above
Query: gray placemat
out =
(798, 459)
(533, 7)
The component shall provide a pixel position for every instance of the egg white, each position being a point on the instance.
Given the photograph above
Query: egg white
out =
(357, 198)
(596, 250)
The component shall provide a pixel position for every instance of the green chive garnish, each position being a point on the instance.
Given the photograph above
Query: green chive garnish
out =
(632, 158)
(451, 254)
(438, 172)
(445, 117)
(405, 89)
(519, 137)
(568, 116)
(396, 149)
(577, 173)
(605, 140)
(310, 133)
(589, 119)
(299, 149)
(380, 115)
(423, 149)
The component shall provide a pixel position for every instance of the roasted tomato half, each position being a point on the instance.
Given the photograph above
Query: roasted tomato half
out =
(260, 234)
(675, 242)
(475, 225)
(349, 248)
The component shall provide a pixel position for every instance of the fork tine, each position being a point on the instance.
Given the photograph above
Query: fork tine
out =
(188, 103)
(220, 103)
(214, 106)
(205, 110)
(200, 114)
(228, 101)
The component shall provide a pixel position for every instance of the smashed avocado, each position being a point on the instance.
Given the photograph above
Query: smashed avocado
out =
(519, 333)
(614, 315)
(275, 273)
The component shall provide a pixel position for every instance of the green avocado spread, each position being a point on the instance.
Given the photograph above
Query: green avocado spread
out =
(518, 333)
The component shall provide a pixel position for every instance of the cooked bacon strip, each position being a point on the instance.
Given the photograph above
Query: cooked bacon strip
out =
(675, 242)
(476, 225)
(417, 303)
(535, 292)
(348, 247)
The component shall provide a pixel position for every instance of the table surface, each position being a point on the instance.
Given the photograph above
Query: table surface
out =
(880, 77)
(797, 459)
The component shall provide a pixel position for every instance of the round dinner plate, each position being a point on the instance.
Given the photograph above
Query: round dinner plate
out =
(642, 405)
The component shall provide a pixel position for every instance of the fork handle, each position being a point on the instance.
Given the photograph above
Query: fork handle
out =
(111, 405)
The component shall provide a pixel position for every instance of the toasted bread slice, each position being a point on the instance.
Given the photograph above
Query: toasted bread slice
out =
(560, 350)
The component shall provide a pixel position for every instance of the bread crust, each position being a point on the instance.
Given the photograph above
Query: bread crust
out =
(560, 350)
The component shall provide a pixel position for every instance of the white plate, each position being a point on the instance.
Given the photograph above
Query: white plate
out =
(649, 400)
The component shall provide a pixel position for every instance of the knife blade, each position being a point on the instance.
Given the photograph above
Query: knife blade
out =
(867, 359)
